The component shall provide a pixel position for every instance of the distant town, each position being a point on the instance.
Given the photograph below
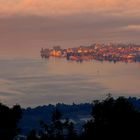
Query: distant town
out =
(102, 52)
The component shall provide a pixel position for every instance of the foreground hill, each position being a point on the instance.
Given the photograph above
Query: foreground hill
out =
(118, 117)
(78, 113)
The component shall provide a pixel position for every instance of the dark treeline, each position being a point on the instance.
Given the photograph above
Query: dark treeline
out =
(111, 119)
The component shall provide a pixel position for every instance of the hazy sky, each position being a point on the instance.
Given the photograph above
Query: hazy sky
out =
(32, 24)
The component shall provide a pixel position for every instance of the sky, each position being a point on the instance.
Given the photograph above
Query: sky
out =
(28, 25)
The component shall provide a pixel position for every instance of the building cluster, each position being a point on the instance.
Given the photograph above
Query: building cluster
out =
(101, 52)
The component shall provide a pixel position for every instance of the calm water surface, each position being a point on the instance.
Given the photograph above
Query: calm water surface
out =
(33, 82)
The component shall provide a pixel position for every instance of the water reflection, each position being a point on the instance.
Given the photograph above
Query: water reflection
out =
(35, 82)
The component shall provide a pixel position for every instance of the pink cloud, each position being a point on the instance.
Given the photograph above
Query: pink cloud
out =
(60, 7)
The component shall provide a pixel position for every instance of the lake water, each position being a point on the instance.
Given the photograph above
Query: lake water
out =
(33, 82)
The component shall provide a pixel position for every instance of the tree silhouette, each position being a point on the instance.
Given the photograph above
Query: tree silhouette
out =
(56, 129)
(70, 132)
(113, 118)
(9, 118)
(57, 125)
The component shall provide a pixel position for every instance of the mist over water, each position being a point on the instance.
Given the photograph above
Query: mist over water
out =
(33, 81)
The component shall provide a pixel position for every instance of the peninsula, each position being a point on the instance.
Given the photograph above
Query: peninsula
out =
(101, 52)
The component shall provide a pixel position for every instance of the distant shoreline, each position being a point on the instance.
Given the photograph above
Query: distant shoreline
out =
(113, 53)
